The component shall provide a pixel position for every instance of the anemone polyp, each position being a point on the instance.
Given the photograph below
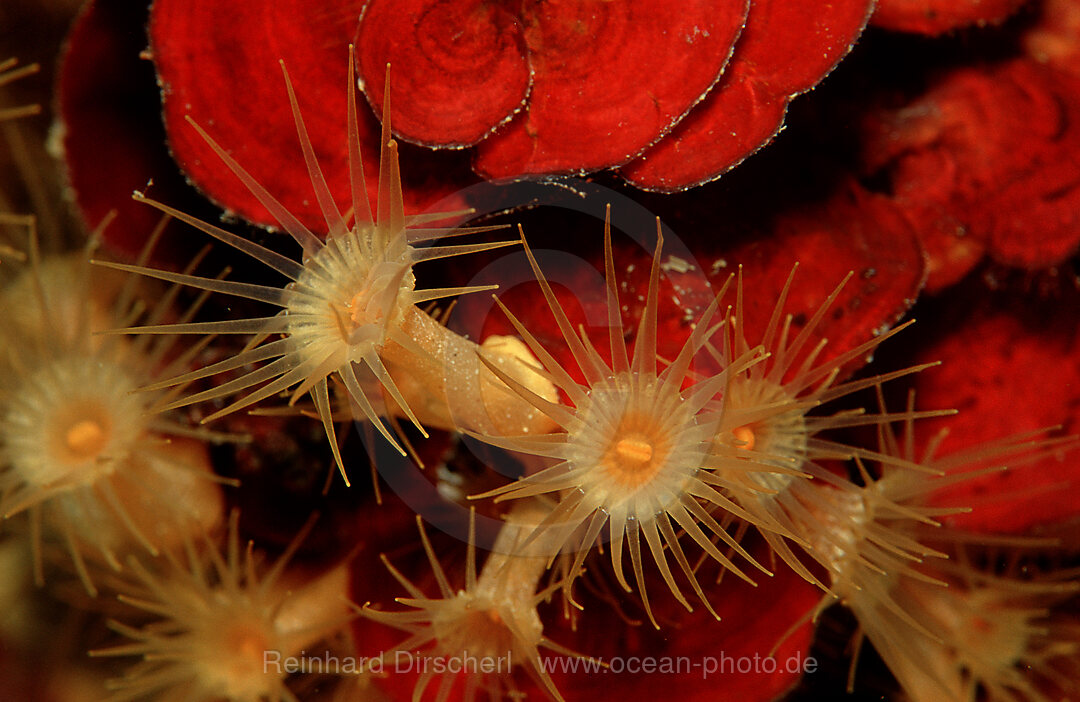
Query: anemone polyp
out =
(69, 421)
(84, 454)
(635, 451)
(350, 297)
(771, 418)
(639, 446)
(988, 635)
(777, 437)
(221, 622)
(867, 538)
(943, 628)
(493, 618)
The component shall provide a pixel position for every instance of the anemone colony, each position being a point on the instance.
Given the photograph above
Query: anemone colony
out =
(726, 436)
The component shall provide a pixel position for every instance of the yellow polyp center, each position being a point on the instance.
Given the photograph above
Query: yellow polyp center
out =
(354, 314)
(634, 457)
(79, 433)
(634, 450)
(236, 668)
(250, 646)
(982, 626)
(86, 439)
(745, 436)
(476, 627)
(985, 624)
(351, 316)
(358, 305)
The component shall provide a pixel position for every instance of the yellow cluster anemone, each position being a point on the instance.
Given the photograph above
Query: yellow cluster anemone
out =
(349, 309)
(87, 457)
(771, 416)
(988, 634)
(493, 618)
(909, 599)
(225, 631)
(634, 451)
